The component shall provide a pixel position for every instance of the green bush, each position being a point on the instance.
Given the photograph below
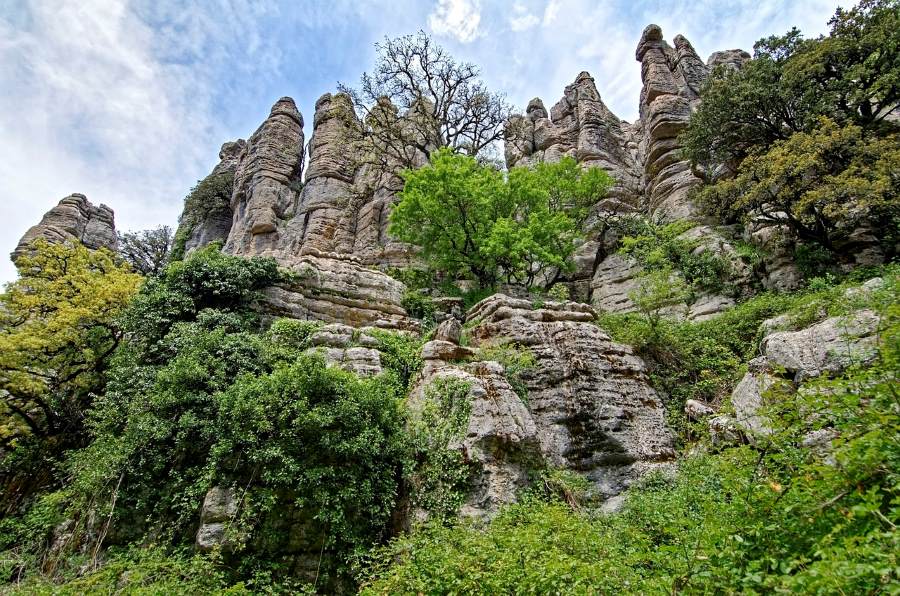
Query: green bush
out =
(660, 248)
(703, 360)
(441, 478)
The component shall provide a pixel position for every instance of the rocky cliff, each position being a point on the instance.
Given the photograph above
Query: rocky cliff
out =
(590, 406)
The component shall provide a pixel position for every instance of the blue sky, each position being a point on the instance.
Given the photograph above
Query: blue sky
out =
(128, 102)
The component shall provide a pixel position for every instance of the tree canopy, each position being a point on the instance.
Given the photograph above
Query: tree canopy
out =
(419, 99)
(146, 251)
(472, 221)
(58, 329)
(806, 134)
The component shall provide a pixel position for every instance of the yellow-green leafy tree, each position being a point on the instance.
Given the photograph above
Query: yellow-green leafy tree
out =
(58, 328)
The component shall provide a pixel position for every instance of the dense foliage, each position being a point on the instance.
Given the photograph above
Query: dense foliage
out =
(775, 517)
(58, 328)
(210, 198)
(198, 397)
(802, 136)
(473, 222)
(146, 251)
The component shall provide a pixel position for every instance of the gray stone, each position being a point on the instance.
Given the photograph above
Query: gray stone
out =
(590, 397)
(444, 350)
(696, 410)
(214, 222)
(219, 508)
(449, 330)
(74, 218)
(747, 398)
(336, 288)
(266, 181)
(826, 347)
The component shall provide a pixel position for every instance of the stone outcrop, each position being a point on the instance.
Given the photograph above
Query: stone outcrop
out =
(336, 288)
(826, 347)
(579, 126)
(350, 349)
(266, 181)
(73, 218)
(672, 79)
(202, 224)
(219, 509)
(790, 357)
(589, 407)
(499, 436)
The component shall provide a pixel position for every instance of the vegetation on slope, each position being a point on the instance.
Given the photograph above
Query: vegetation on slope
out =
(805, 135)
(774, 517)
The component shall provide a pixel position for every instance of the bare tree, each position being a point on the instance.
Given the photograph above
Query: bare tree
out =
(419, 99)
(147, 251)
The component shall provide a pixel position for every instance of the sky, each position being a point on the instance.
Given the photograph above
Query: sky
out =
(128, 102)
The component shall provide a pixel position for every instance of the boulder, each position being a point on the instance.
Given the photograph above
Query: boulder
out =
(336, 288)
(449, 330)
(826, 347)
(219, 508)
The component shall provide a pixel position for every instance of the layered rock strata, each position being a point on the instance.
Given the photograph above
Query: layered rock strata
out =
(266, 181)
(336, 288)
(73, 218)
(590, 407)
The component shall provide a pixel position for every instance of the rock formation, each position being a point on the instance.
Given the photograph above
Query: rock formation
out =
(266, 181)
(74, 218)
(792, 356)
(580, 126)
(590, 407)
(211, 222)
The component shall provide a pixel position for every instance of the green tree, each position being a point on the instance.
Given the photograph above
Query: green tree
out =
(803, 135)
(471, 221)
(822, 184)
(146, 251)
(658, 290)
(199, 396)
(58, 328)
(852, 76)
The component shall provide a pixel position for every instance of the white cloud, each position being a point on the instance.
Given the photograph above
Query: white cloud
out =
(550, 11)
(522, 20)
(86, 108)
(456, 18)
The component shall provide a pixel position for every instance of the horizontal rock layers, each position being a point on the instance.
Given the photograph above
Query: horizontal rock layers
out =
(589, 405)
(74, 218)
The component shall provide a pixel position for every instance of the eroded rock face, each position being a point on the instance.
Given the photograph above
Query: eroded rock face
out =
(826, 347)
(266, 181)
(73, 218)
(214, 221)
(791, 357)
(589, 408)
(337, 289)
(672, 79)
(580, 126)
(590, 398)
(348, 348)
(499, 437)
